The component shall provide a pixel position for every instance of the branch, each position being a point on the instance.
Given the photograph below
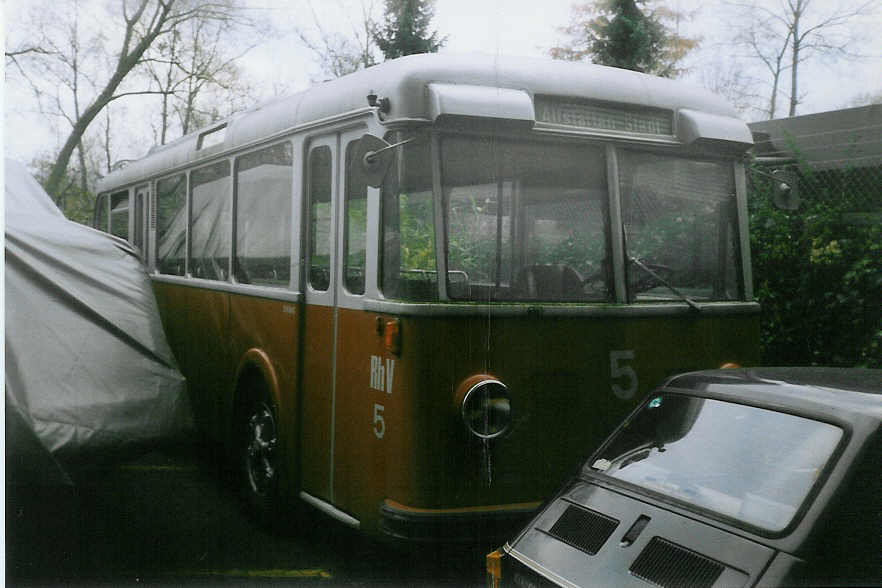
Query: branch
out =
(27, 50)
(137, 93)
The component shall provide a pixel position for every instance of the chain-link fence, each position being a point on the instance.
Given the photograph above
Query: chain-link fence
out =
(818, 267)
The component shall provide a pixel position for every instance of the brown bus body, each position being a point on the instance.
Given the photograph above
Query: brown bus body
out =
(557, 368)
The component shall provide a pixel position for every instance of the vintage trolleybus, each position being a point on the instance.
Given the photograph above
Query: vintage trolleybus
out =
(413, 295)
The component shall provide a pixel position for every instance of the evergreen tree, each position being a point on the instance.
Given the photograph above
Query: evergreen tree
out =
(405, 29)
(619, 34)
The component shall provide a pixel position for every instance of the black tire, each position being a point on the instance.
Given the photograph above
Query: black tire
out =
(259, 457)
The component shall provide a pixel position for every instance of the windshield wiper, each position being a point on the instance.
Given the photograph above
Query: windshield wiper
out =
(664, 282)
(654, 274)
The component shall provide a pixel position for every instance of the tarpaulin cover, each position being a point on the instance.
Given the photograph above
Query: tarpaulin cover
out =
(89, 373)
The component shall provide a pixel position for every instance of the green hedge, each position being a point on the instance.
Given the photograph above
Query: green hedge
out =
(818, 270)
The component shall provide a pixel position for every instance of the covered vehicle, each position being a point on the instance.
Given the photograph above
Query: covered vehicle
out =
(89, 375)
(729, 478)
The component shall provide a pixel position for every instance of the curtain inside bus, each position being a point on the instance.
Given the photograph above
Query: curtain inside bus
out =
(210, 232)
(171, 225)
(263, 216)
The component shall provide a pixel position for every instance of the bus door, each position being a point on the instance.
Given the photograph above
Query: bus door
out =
(360, 440)
(319, 318)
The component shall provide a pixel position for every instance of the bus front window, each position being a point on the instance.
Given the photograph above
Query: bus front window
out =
(408, 266)
(525, 220)
(679, 220)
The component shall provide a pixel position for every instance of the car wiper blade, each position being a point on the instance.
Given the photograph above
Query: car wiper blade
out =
(670, 286)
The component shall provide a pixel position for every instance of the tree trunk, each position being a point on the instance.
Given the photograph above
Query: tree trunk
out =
(107, 157)
(84, 178)
(774, 97)
(794, 97)
(163, 129)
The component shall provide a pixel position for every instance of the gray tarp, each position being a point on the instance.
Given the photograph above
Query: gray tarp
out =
(89, 373)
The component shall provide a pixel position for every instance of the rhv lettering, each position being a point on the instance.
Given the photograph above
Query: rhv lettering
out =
(381, 375)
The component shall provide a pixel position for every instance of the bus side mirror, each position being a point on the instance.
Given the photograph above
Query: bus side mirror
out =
(786, 190)
(373, 157)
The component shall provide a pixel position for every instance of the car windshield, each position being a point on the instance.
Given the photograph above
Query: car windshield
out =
(750, 464)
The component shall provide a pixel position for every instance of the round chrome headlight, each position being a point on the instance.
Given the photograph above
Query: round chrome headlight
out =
(486, 408)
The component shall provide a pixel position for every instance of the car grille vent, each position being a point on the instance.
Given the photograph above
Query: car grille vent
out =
(671, 566)
(583, 529)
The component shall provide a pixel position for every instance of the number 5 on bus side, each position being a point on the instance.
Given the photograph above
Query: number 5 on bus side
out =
(617, 371)
(379, 422)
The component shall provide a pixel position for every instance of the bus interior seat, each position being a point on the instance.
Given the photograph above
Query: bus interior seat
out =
(553, 281)
(319, 277)
(354, 280)
(418, 286)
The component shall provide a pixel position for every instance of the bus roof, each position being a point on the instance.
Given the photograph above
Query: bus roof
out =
(405, 82)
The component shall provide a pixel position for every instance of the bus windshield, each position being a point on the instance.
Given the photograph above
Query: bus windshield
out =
(529, 220)
(525, 220)
(679, 220)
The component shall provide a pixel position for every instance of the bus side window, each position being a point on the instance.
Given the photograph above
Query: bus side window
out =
(171, 225)
(139, 221)
(101, 213)
(210, 230)
(356, 224)
(320, 218)
(119, 214)
(263, 216)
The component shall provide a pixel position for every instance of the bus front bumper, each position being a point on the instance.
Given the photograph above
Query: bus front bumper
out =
(469, 524)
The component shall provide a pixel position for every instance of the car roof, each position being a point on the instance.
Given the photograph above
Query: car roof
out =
(851, 394)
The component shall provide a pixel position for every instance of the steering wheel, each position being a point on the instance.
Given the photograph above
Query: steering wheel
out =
(647, 281)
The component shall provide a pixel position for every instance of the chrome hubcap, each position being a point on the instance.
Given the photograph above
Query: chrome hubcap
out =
(260, 453)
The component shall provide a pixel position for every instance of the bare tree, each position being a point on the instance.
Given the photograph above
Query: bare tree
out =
(864, 99)
(784, 34)
(733, 82)
(765, 45)
(185, 65)
(63, 60)
(337, 53)
(142, 22)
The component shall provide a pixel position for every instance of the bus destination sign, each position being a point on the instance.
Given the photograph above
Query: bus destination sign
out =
(608, 117)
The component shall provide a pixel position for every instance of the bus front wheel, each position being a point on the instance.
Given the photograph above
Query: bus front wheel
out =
(260, 457)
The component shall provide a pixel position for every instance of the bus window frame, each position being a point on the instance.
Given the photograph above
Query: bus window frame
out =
(140, 218)
(613, 146)
(738, 210)
(348, 146)
(329, 141)
(127, 210)
(190, 188)
(104, 200)
(155, 229)
(293, 199)
(519, 208)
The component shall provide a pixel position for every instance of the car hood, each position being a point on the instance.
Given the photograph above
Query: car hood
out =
(593, 535)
